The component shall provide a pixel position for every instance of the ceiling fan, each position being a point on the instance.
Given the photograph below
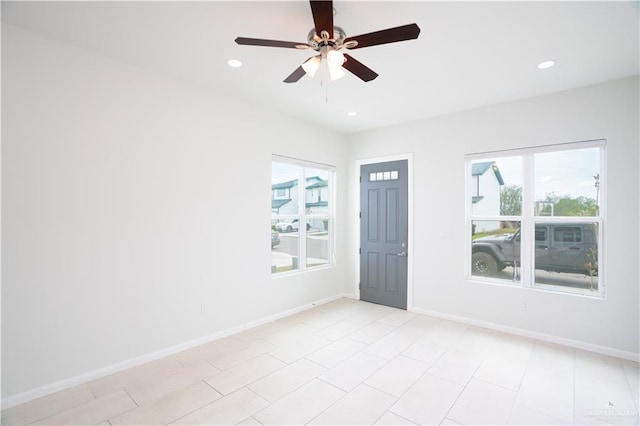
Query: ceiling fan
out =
(328, 40)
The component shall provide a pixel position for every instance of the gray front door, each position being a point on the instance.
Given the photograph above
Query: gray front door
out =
(383, 233)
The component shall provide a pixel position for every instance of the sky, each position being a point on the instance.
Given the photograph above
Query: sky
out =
(560, 172)
(284, 172)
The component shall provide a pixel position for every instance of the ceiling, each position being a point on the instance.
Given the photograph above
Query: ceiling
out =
(468, 54)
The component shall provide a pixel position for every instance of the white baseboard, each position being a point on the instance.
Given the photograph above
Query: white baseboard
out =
(45, 390)
(534, 335)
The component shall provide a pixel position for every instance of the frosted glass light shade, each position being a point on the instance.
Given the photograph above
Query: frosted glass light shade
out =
(335, 58)
(335, 73)
(311, 65)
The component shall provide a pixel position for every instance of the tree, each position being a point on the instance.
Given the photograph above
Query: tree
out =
(511, 200)
(567, 206)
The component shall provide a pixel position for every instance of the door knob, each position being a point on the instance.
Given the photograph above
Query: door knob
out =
(403, 254)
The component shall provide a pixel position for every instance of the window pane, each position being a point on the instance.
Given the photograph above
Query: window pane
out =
(317, 242)
(566, 254)
(567, 183)
(284, 190)
(495, 249)
(285, 252)
(496, 187)
(316, 191)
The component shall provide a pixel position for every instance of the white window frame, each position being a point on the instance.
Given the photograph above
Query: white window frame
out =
(528, 218)
(303, 216)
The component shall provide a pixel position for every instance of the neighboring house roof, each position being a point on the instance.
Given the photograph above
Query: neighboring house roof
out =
(321, 184)
(284, 185)
(292, 183)
(317, 204)
(476, 199)
(478, 169)
(276, 204)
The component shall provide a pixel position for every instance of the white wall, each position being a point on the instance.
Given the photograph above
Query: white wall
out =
(438, 146)
(130, 200)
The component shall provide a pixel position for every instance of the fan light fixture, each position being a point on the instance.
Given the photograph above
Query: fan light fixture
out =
(327, 40)
(335, 73)
(311, 65)
(334, 60)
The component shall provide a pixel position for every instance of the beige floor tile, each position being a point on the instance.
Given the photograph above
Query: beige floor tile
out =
(548, 393)
(397, 375)
(155, 388)
(230, 380)
(372, 332)
(350, 373)
(302, 405)
(228, 357)
(602, 397)
(287, 379)
(370, 314)
(313, 318)
(133, 376)
(632, 371)
(418, 326)
(449, 422)
(293, 351)
(397, 317)
(340, 329)
(447, 332)
(551, 358)
(261, 331)
(504, 372)
(391, 419)
(250, 422)
(477, 340)
(47, 406)
(170, 407)
(426, 350)
(456, 365)
(229, 410)
(200, 352)
(289, 334)
(483, 403)
(523, 415)
(513, 347)
(290, 371)
(428, 401)
(333, 354)
(94, 412)
(362, 406)
(389, 346)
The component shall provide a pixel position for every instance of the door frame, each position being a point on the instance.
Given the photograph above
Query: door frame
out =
(358, 164)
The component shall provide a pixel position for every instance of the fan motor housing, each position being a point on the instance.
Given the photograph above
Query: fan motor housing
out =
(317, 42)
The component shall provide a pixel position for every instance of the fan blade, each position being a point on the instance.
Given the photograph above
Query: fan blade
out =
(390, 35)
(268, 43)
(359, 69)
(322, 16)
(295, 76)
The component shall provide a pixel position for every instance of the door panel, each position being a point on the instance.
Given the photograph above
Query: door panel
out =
(384, 233)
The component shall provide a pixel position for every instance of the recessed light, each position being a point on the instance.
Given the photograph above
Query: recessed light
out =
(546, 64)
(352, 113)
(235, 63)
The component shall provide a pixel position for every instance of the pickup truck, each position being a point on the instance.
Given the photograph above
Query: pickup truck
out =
(559, 247)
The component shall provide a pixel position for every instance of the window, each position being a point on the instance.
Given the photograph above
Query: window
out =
(301, 215)
(535, 217)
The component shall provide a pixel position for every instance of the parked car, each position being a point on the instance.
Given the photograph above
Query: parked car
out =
(289, 225)
(559, 247)
(275, 238)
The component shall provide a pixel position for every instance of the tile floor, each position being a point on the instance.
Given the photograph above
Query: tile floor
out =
(351, 362)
